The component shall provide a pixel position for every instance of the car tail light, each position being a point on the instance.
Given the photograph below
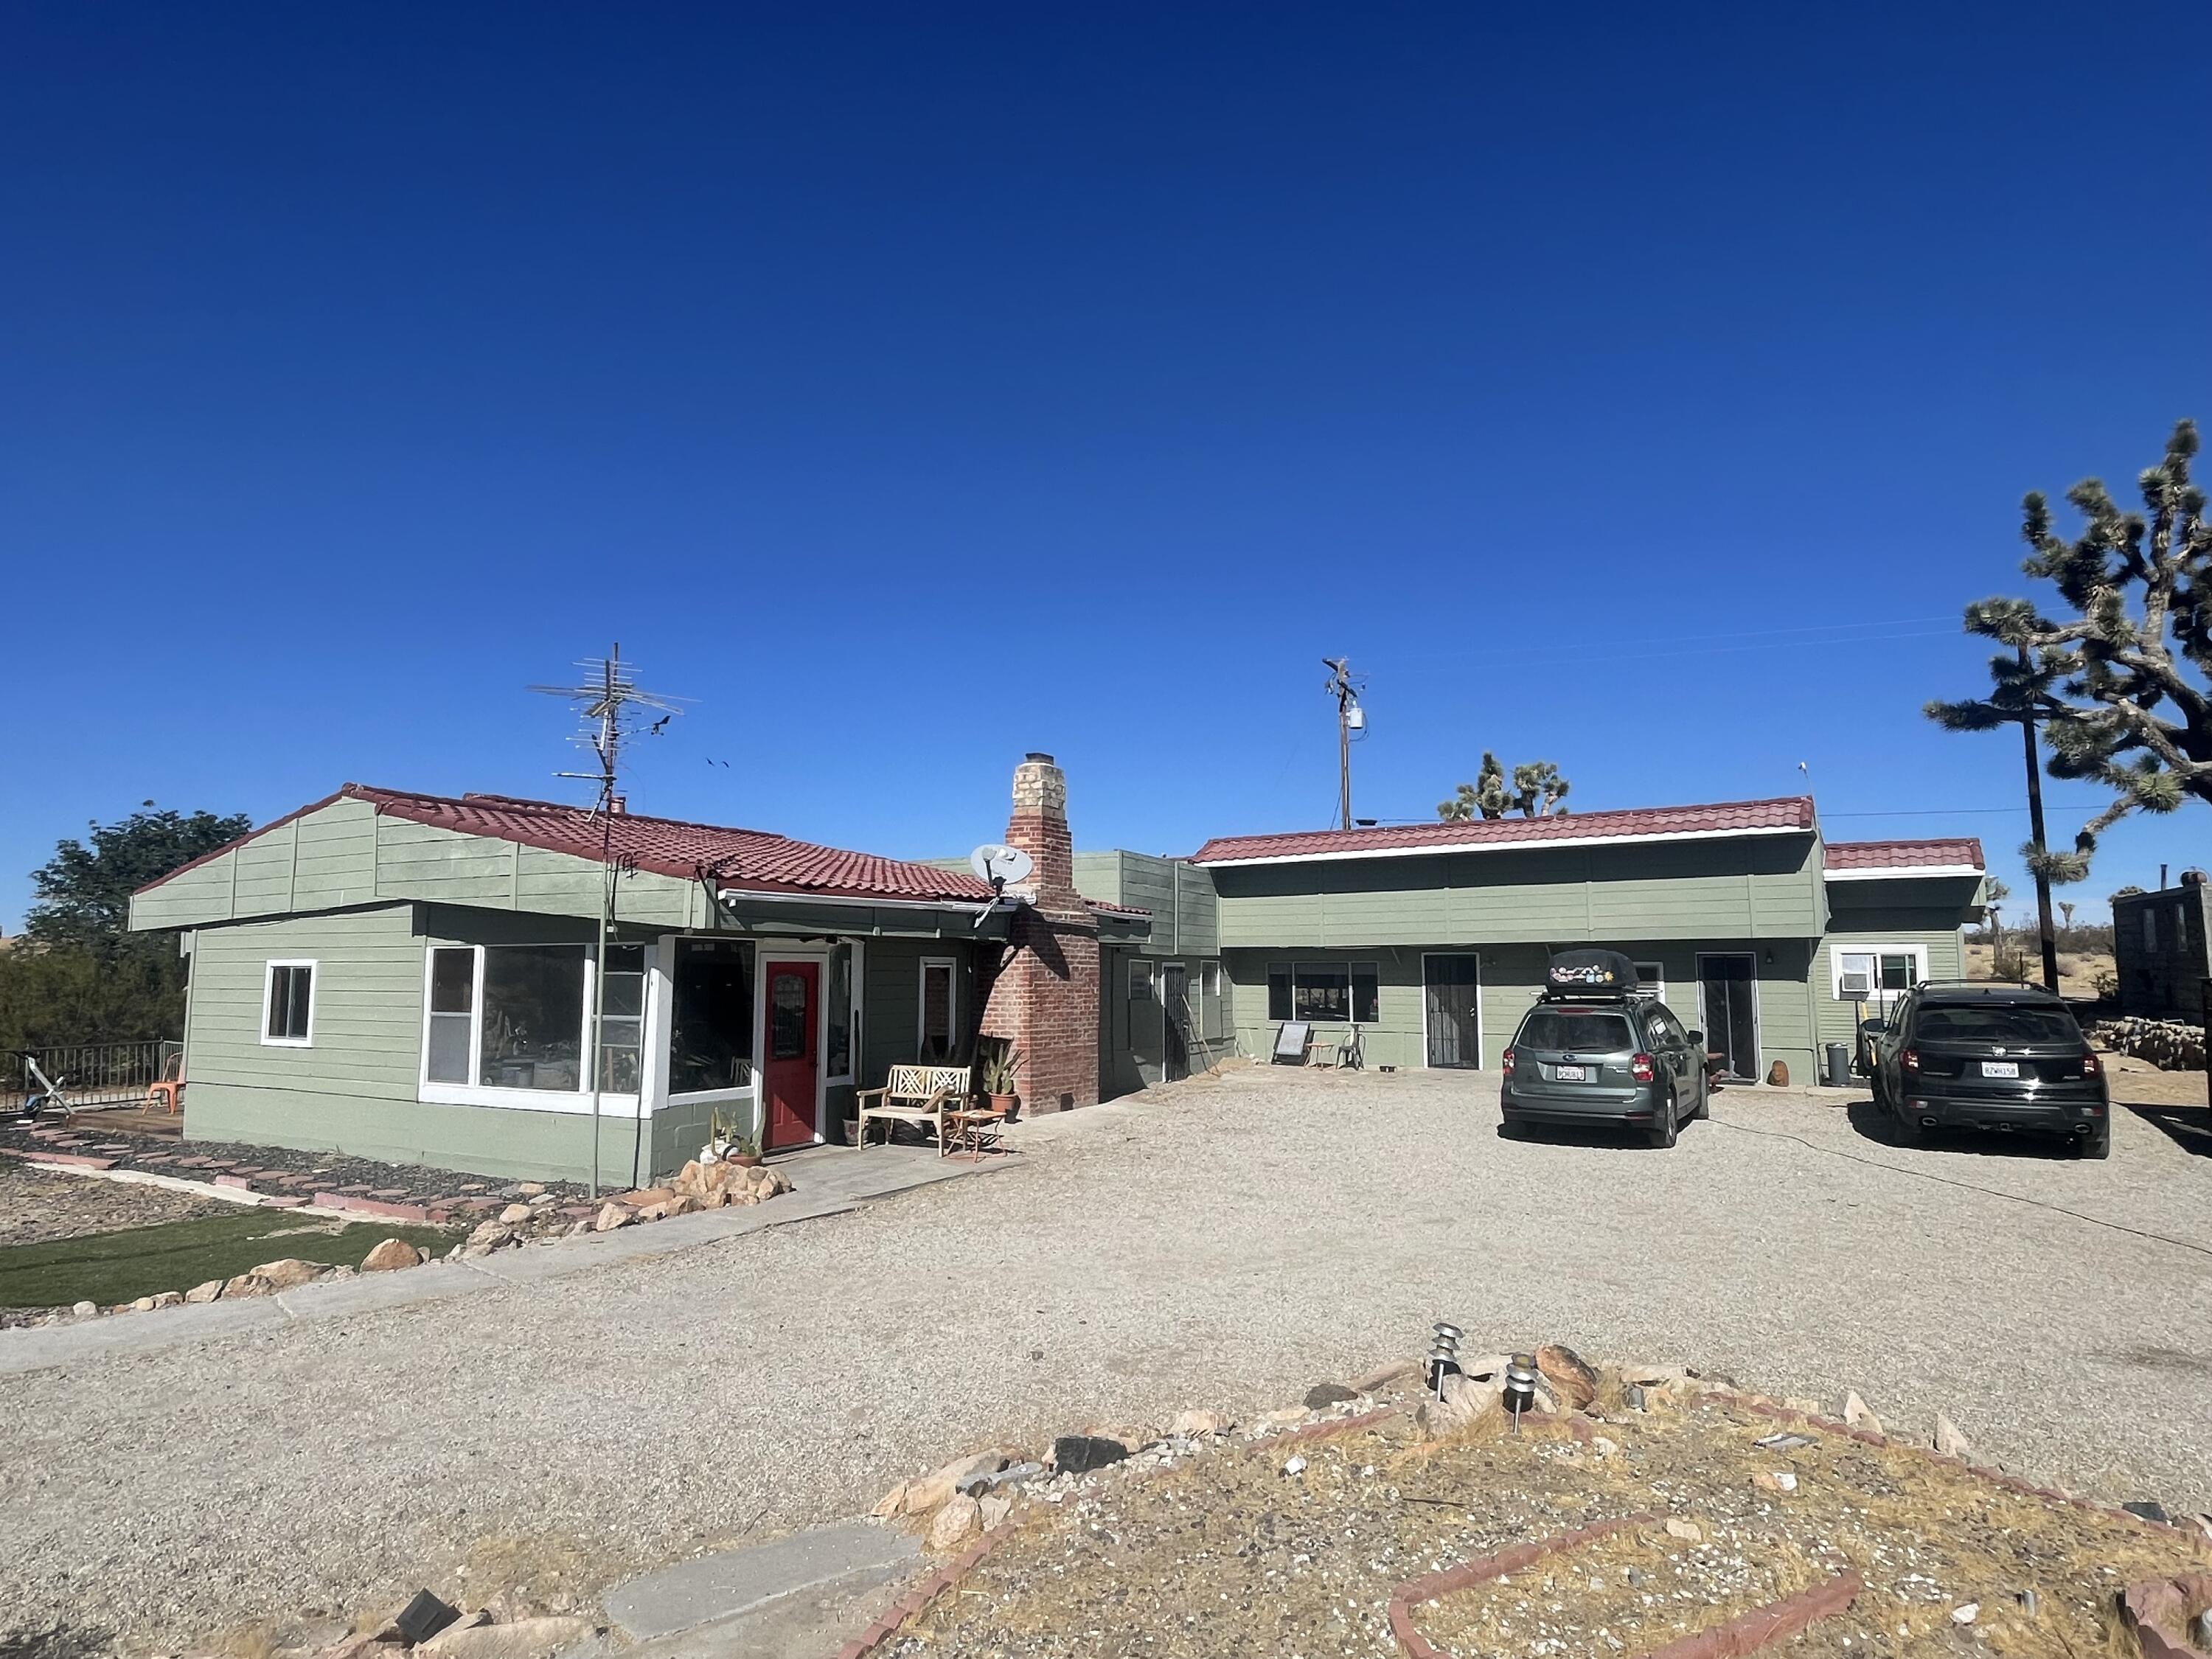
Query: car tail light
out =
(1909, 1059)
(1505, 1062)
(2090, 1068)
(1642, 1069)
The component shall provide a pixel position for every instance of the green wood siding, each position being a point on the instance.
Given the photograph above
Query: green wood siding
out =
(1874, 929)
(1750, 887)
(1511, 976)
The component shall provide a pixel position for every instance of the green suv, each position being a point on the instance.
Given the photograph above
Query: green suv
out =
(1596, 1050)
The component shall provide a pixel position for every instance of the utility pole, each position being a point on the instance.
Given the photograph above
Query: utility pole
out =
(1350, 718)
(2035, 829)
(605, 697)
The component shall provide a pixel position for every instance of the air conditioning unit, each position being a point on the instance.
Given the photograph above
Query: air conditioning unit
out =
(1855, 983)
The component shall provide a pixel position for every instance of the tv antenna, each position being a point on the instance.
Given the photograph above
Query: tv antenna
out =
(1350, 718)
(612, 706)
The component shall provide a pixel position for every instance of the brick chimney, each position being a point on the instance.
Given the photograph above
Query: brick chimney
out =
(1045, 996)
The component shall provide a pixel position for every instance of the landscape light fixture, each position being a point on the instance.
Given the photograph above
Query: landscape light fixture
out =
(1444, 1355)
(1520, 1386)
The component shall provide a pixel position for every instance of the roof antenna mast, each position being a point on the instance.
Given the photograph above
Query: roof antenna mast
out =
(610, 699)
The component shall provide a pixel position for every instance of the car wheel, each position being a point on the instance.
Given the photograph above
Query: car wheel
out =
(1906, 1131)
(2098, 1145)
(1663, 1125)
(1705, 1099)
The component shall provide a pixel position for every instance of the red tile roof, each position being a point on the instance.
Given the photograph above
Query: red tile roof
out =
(1793, 812)
(754, 861)
(1950, 853)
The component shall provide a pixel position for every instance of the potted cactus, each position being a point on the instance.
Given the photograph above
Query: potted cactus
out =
(998, 1066)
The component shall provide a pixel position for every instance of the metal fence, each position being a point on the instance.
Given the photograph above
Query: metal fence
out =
(88, 1073)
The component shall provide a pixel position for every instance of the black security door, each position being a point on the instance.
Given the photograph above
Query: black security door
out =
(1452, 997)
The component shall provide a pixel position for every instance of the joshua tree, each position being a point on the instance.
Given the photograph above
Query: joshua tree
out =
(1536, 792)
(2122, 688)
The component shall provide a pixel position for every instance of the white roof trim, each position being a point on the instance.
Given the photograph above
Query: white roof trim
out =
(962, 907)
(1430, 848)
(1903, 871)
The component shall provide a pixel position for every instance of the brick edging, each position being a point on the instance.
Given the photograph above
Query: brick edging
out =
(1746, 1633)
(73, 1160)
(1795, 1419)
(2147, 1604)
(915, 1600)
(1427, 1588)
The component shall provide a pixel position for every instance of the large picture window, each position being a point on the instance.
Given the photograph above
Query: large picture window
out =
(512, 1018)
(1333, 992)
(710, 1039)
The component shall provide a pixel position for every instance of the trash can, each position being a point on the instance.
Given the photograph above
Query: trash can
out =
(1840, 1066)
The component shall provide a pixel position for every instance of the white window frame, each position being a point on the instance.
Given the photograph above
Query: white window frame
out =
(853, 948)
(268, 997)
(1209, 999)
(1876, 950)
(951, 967)
(1143, 981)
(1652, 976)
(578, 1100)
(663, 1021)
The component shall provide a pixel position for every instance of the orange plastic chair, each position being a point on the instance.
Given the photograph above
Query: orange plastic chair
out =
(167, 1093)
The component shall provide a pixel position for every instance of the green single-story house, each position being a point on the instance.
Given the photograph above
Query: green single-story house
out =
(1433, 938)
(416, 977)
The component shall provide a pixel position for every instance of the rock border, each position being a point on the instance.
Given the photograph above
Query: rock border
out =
(1795, 1419)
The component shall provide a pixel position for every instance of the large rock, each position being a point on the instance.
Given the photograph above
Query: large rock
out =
(926, 1492)
(287, 1272)
(1076, 1454)
(1949, 1440)
(612, 1215)
(1574, 1377)
(243, 1284)
(956, 1522)
(515, 1214)
(1858, 1415)
(1461, 1401)
(994, 1511)
(1323, 1394)
(207, 1290)
(390, 1256)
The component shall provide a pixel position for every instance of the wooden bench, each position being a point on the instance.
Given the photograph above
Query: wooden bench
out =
(914, 1094)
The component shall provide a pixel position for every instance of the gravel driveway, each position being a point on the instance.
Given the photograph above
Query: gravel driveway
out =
(1226, 1243)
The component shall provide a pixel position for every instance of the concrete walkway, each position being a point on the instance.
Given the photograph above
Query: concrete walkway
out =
(825, 1181)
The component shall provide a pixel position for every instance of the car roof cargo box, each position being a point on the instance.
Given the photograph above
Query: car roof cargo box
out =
(1590, 973)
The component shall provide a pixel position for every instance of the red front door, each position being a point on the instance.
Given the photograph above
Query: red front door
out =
(794, 1065)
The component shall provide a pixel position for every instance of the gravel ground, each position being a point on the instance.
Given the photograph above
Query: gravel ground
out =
(1224, 1244)
(40, 1206)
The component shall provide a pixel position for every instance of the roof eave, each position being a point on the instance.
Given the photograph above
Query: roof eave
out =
(1430, 850)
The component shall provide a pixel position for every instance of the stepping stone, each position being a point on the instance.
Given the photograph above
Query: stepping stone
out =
(353, 1192)
(723, 1586)
(159, 1157)
(473, 1186)
(387, 1192)
(219, 1163)
(295, 1180)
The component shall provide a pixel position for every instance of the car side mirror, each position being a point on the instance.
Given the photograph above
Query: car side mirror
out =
(1696, 1039)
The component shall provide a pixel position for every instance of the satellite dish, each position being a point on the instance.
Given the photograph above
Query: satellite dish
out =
(999, 864)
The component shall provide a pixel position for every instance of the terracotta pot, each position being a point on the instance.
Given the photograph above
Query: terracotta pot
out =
(1007, 1105)
(745, 1160)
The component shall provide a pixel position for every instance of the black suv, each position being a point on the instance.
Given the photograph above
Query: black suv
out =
(2005, 1057)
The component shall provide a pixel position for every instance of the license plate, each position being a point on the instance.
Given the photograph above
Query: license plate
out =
(1571, 1074)
(2000, 1068)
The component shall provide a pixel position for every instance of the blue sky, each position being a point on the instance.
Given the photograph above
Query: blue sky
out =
(1643, 388)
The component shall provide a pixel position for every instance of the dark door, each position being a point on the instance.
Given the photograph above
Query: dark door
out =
(1451, 990)
(1726, 991)
(793, 1072)
(1174, 1009)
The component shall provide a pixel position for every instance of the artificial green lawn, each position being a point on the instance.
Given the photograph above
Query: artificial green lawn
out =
(111, 1267)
